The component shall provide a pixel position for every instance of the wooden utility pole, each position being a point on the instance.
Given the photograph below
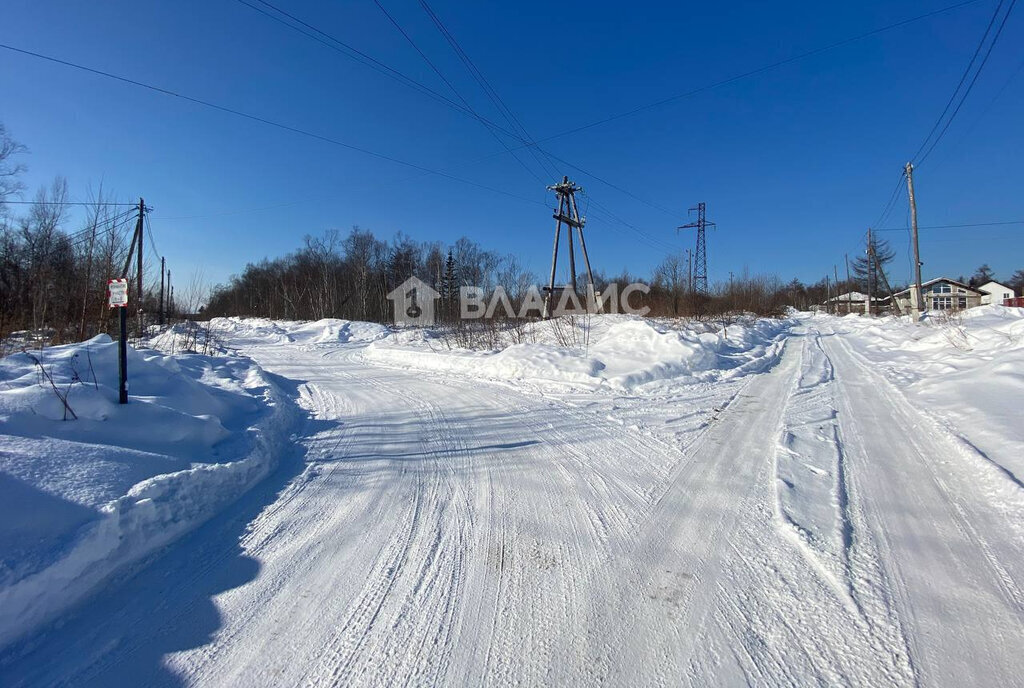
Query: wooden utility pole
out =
(122, 355)
(162, 264)
(828, 296)
(139, 226)
(849, 287)
(870, 284)
(689, 270)
(918, 305)
(568, 213)
(131, 253)
(835, 273)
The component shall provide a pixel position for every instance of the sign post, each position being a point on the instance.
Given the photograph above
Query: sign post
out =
(117, 297)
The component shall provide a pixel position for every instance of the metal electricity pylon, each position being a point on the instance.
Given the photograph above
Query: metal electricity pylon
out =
(700, 258)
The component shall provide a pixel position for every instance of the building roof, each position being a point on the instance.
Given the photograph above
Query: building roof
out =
(854, 296)
(992, 286)
(925, 285)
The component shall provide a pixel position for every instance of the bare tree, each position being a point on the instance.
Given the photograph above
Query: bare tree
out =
(10, 185)
(670, 276)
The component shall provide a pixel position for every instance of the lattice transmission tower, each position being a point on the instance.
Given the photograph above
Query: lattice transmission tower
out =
(700, 257)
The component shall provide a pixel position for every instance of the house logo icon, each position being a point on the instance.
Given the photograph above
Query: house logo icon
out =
(413, 302)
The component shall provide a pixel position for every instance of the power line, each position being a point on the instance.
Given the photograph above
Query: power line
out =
(484, 84)
(651, 241)
(759, 70)
(519, 131)
(66, 203)
(493, 132)
(76, 240)
(290, 204)
(932, 140)
(613, 186)
(961, 226)
(892, 200)
(152, 242)
(336, 44)
(970, 86)
(262, 120)
(511, 118)
(974, 125)
(963, 78)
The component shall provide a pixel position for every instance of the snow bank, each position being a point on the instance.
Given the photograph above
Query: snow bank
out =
(611, 352)
(965, 370)
(333, 330)
(79, 499)
(262, 332)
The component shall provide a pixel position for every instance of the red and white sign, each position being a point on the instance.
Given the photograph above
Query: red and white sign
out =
(117, 293)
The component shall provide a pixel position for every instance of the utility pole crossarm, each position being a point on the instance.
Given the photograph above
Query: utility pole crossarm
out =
(562, 217)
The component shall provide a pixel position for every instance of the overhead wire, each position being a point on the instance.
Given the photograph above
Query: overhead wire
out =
(970, 86)
(612, 218)
(891, 203)
(506, 112)
(958, 226)
(519, 132)
(269, 122)
(516, 123)
(963, 78)
(759, 70)
(69, 203)
(152, 242)
(79, 238)
(334, 43)
(85, 231)
(492, 130)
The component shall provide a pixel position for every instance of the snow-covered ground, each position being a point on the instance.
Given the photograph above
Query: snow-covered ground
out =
(90, 487)
(816, 500)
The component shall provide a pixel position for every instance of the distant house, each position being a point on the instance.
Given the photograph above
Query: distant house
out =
(851, 302)
(942, 294)
(994, 293)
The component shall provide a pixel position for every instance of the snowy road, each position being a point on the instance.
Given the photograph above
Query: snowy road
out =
(436, 530)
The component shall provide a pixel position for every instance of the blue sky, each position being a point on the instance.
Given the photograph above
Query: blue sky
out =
(793, 163)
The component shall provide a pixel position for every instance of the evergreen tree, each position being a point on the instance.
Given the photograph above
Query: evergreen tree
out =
(1017, 282)
(982, 275)
(449, 286)
(865, 278)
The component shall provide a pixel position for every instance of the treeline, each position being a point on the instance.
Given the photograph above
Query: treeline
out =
(54, 269)
(53, 282)
(351, 276)
(56, 256)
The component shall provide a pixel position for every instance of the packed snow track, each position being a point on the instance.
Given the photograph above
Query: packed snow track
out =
(432, 529)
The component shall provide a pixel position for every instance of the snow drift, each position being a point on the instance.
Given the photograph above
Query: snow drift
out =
(618, 353)
(80, 499)
(243, 332)
(965, 368)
